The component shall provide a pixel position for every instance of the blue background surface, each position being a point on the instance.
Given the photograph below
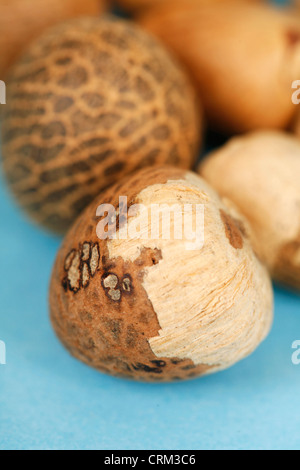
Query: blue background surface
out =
(48, 400)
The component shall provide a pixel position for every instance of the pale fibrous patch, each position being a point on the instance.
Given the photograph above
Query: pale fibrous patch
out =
(69, 260)
(81, 265)
(86, 250)
(214, 305)
(110, 283)
(114, 288)
(297, 257)
(85, 275)
(74, 273)
(115, 294)
(232, 230)
(95, 258)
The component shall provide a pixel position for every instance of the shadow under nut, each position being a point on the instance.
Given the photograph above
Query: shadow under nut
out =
(93, 100)
(243, 69)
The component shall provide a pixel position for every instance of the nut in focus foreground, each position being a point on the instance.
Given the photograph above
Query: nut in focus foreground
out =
(149, 309)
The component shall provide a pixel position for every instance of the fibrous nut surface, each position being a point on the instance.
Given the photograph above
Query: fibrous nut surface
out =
(154, 310)
(136, 6)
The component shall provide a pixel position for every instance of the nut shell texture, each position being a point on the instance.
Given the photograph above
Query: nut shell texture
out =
(93, 100)
(149, 309)
(21, 21)
(260, 174)
(243, 69)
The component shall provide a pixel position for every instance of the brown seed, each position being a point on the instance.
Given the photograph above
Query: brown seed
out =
(162, 311)
(21, 21)
(243, 69)
(65, 135)
(260, 173)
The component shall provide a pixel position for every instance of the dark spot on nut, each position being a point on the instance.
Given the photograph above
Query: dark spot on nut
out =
(232, 231)
(127, 284)
(81, 265)
(293, 37)
(94, 259)
(159, 363)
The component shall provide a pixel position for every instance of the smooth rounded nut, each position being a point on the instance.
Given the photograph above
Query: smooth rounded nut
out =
(260, 174)
(243, 68)
(90, 102)
(21, 21)
(151, 307)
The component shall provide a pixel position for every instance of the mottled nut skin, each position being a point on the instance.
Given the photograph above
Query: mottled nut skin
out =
(243, 57)
(21, 21)
(296, 124)
(260, 173)
(93, 100)
(151, 310)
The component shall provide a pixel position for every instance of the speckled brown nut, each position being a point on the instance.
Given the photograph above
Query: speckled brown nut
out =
(92, 101)
(21, 21)
(243, 57)
(151, 309)
(260, 173)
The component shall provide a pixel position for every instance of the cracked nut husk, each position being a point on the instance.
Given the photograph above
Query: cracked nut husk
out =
(148, 307)
(92, 101)
(138, 6)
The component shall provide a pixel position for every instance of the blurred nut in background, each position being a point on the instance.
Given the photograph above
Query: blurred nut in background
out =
(260, 173)
(243, 58)
(90, 102)
(148, 308)
(21, 21)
